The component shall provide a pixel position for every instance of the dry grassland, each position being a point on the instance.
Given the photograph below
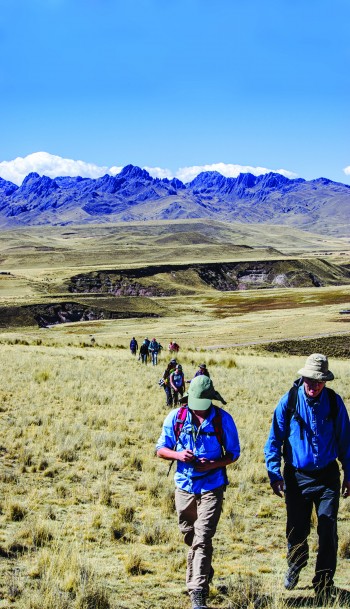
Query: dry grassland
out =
(87, 517)
(207, 321)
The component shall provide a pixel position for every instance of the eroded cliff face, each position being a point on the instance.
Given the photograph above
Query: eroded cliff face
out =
(165, 280)
(50, 314)
(116, 283)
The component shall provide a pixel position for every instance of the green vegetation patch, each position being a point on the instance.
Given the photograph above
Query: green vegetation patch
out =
(256, 301)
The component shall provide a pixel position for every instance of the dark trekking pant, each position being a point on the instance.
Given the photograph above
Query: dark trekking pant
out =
(303, 490)
(169, 397)
(176, 395)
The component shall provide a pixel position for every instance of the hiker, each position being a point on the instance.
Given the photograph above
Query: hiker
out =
(202, 369)
(133, 345)
(177, 383)
(166, 384)
(147, 342)
(173, 347)
(160, 349)
(311, 429)
(153, 349)
(203, 440)
(143, 354)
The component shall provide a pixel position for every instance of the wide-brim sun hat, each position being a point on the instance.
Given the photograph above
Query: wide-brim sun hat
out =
(316, 368)
(201, 393)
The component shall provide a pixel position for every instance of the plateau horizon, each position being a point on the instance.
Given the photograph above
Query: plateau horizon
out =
(54, 166)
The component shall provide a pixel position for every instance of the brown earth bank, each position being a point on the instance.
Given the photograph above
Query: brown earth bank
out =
(168, 280)
(53, 313)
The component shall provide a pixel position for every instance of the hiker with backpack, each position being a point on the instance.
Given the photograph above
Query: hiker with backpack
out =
(133, 346)
(166, 381)
(154, 347)
(143, 354)
(173, 347)
(203, 440)
(202, 369)
(311, 430)
(177, 383)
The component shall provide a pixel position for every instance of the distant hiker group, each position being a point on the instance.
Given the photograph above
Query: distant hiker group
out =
(310, 431)
(150, 349)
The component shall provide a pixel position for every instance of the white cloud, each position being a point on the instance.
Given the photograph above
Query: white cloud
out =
(158, 172)
(114, 170)
(53, 166)
(186, 174)
(347, 170)
(50, 165)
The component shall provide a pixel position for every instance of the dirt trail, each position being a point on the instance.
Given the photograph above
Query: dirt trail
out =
(276, 340)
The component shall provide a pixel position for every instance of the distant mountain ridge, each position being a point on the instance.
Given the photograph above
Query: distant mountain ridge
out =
(133, 195)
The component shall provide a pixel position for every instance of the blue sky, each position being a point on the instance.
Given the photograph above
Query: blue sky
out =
(175, 86)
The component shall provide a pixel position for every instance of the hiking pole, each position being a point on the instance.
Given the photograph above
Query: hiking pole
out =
(170, 466)
(172, 462)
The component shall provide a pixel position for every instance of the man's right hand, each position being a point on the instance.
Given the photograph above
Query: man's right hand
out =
(186, 456)
(278, 488)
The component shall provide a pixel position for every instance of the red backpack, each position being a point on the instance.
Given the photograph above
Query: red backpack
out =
(216, 422)
(218, 432)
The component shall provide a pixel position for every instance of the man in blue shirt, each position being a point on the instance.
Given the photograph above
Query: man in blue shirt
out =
(200, 477)
(311, 435)
(154, 347)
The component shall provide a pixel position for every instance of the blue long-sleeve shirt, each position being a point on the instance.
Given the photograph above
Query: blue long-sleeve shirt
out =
(323, 441)
(204, 444)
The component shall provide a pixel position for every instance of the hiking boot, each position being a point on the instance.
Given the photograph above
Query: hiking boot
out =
(198, 599)
(325, 592)
(291, 578)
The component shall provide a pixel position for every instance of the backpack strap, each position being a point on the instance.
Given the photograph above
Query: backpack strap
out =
(178, 425)
(292, 408)
(292, 403)
(180, 420)
(217, 424)
(333, 406)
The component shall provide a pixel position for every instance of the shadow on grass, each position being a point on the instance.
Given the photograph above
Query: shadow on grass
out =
(340, 598)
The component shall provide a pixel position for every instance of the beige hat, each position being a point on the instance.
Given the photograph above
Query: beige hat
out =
(316, 367)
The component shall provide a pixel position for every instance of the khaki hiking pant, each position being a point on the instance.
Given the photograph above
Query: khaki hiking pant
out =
(198, 517)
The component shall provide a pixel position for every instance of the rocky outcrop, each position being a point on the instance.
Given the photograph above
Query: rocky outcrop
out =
(118, 283)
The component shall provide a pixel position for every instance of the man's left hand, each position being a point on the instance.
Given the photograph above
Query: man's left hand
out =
(346, 489)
